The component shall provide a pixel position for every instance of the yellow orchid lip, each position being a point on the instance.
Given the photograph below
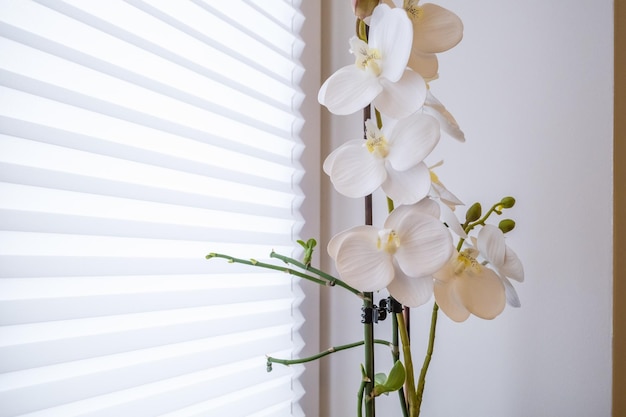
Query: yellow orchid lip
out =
(466, 261)
(388, 240)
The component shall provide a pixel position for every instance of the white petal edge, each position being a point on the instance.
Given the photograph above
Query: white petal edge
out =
(425, 245)
(491, 244)
(391, 33)
(409, 291)
(401, 98)
(412, 140)
(355, 172)
(349, 90)
(361, 264)
(407, 187)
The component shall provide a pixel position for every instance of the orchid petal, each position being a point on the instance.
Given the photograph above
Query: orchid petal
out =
(449, 301)
(391, 34)
(426, 65)
(409, 291)
(407, 187)
(437, 30)
(355, 172)
(329, 162)
(512, 266)
(426, 245)
(512, 298)
(428, 206)
(447, 215)
(446, 197)
(402, 98)
(424, 206)
(483, 293)
(491, 244)
(448, 123)
(412, 140)
(337, 240)
(361, 264)
(349, 90)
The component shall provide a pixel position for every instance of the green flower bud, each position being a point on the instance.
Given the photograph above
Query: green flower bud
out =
(507, 202)
(364, 8)
(473, 213)
(506, 225)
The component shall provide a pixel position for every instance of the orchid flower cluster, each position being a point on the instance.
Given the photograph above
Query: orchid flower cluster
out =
(422, 249)
(412, 255)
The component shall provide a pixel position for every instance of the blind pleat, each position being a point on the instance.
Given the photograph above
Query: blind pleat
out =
(135, 138)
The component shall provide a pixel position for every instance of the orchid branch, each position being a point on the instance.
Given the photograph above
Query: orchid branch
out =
(288, 362)
(253, 262)
(429, 353)
(329, 278)
(408, 364)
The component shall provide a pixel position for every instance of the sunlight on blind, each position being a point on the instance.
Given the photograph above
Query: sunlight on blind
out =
(135, 138)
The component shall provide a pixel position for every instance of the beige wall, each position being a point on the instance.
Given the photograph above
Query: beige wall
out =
(619, 276)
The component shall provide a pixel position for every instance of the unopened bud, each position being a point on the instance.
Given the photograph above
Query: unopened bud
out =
(473, 213)
(507, 202)
(506, 225)
(364, 8)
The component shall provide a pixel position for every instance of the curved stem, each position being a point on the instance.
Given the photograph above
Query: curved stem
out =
(331, 279)
(396, 357)
(287, 362)
(408, 364)
(253, 262)
(429, 353)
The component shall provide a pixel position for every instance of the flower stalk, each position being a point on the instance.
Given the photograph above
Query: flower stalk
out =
(287, 362)
(429, 354)
(324, 278)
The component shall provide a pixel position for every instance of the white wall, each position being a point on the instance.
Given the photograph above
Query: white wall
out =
(531, 86)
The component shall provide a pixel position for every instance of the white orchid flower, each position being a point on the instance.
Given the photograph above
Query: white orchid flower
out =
(389, 158)
(402, 256)
(491, 245)
(464, 286)
(435, 29)
(380, 75)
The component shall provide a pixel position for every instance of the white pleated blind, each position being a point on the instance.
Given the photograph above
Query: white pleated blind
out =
(135, 138)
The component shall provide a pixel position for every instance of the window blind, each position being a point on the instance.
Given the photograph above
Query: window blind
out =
(135, 138)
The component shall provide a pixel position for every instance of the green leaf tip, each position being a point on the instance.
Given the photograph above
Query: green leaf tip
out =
(393, 382)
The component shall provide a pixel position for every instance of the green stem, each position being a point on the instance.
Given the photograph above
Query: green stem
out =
(429, 353)
(331, 279)
(287, 362)
(368, 330)
(495, 208)
(361, 393)
(467, 226)
(408, 364)
(253, 262)
(396, 356)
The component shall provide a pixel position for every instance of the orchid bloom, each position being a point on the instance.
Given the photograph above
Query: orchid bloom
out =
(464, 286)
(390, 158)
(379, 75)
(402, 256)
(435, 29)
(491, 245)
